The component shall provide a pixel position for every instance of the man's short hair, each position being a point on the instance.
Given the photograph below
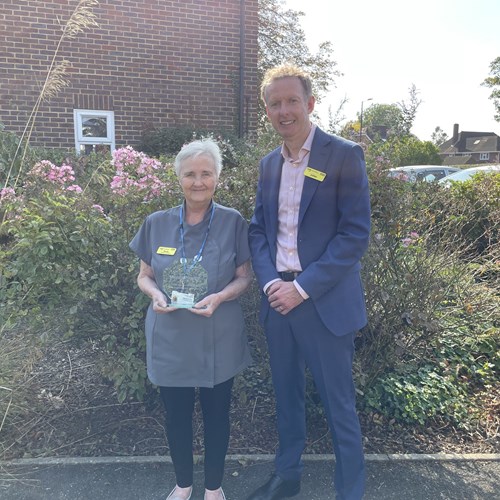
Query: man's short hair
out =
(284, 71)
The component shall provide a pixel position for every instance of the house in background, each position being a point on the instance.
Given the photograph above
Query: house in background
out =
(470, 148)
(149, 64)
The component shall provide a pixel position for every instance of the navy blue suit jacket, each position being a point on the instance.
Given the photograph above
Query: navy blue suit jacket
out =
(333, 232)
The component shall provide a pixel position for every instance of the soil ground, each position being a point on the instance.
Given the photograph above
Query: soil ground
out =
(70, 409)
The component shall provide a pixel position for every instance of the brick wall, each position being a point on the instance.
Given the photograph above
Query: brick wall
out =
(153, 62)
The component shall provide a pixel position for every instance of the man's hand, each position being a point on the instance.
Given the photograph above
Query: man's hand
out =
(283, 296)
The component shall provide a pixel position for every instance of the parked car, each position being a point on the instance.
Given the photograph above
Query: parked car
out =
(428, 173)
(467, 173)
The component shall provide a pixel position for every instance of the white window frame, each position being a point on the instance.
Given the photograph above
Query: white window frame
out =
(81, 140)
(484, 156)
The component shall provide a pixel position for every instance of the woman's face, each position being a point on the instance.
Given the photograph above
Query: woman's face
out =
(198, 179)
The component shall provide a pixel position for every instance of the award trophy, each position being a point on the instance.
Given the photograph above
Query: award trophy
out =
(185, 283)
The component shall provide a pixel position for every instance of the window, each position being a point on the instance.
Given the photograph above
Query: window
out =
(94, 130)
(484, 156)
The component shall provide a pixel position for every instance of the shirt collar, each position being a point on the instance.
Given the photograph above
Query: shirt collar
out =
(306, 147)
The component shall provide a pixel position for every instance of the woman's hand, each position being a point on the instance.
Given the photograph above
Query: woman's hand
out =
(207, 306)
(240, 282)
(147, 283)
(160, 305)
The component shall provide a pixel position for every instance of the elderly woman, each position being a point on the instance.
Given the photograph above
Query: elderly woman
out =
(194, 264)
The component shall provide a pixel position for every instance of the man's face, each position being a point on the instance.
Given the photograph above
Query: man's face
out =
(288, 108)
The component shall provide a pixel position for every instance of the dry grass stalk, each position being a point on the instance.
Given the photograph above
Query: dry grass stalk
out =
(81, 19)
(8, 406)
(56, 82)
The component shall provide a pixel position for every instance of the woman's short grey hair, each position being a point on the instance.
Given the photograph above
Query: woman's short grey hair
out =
(206, 147)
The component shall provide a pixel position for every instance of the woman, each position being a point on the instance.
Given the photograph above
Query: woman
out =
(195, 263)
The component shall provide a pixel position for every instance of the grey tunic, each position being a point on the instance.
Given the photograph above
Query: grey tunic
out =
(182, 348)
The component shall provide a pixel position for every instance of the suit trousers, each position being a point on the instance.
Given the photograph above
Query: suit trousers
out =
(297, 340)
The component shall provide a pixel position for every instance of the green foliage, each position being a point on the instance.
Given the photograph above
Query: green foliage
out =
(493, 82)
(168, 141)
(405, 150)
(480, 196)
(66, 246)
(282, 39)
(418, 395)
(381, 116)
(129, 372)
(439, 136)
(461, 364)
(10, 159)
(432, 340)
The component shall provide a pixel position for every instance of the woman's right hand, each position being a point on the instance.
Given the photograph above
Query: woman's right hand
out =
(147, 283)
(160, 305)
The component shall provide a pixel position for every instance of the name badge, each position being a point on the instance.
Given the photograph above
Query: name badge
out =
(166, 251)
(315, 174)
(183, 300)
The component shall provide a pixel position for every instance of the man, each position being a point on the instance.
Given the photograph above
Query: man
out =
(310, 228)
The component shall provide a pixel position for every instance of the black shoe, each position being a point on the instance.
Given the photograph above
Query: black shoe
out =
(276, 488)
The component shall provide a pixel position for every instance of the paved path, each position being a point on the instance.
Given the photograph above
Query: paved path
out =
(421, 477)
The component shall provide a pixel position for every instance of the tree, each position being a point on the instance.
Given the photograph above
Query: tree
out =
(381, 120)
(493, 82)
(282, 39)
(402, 151)
(350, 130)
(439, 136)
(335, 118)
(384, 120)
(408, 111)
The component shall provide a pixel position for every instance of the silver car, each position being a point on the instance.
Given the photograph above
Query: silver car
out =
(428, 173)
(467, 173)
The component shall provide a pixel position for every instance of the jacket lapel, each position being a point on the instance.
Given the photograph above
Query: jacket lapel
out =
(273, 177)
(317, 160)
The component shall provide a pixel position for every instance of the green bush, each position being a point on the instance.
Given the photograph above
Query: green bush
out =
(473, 211)
(458, 364)
(65, 258)
(423, 293)
(168, 141)
(417, 395)
(11, 158)
(432, 338)
(405, 150)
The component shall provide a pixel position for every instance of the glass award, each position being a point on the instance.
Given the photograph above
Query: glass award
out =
(185, 283)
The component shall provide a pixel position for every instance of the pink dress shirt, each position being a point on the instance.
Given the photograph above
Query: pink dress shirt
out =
(292, 183)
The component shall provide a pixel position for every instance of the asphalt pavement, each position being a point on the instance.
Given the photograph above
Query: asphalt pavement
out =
(389, 477)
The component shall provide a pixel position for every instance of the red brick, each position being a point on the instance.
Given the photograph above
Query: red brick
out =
(160, 63)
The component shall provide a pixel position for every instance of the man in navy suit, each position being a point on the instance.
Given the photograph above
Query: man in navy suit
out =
(310, 228)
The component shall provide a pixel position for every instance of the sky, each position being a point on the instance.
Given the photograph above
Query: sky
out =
(382, 48)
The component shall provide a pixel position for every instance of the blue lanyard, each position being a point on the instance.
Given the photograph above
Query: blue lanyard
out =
(197, 257)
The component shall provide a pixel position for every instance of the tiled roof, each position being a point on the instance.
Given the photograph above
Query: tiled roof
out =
(473, 142)
(457, 160)
(482, 144)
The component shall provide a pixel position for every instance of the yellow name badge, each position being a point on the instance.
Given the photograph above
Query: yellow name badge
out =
(315, 174)
(166, 251)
